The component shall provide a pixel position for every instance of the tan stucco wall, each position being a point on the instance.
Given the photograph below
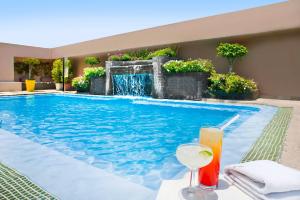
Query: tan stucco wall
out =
(9, 51)
(274, 63)
(10, 86)
(273, 60)
(78, 63)
(276, 17)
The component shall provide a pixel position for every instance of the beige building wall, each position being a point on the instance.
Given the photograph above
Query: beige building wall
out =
(276, 17)
(78, 63)
(9, 51)
(273, 60)
(274, 63)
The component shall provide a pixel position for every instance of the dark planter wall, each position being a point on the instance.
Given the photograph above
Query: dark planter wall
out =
(97, 86)
(172, 86)
(185, 85)
(41, 85)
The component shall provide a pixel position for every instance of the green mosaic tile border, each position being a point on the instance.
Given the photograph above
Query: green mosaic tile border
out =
(269, 145)
(14, 186)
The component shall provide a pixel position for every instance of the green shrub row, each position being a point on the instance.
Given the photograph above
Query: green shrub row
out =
(120, 57)
(179, 66)
(143, 55)
(231, 86)
(81, 83)
(163, 52)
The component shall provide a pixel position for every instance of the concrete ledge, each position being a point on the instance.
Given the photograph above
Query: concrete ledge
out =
(170, 190)
(63, 176)
(10, 86)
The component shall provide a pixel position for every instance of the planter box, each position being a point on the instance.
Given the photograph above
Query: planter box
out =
(41, 86)
(97, 86)
(185, 85)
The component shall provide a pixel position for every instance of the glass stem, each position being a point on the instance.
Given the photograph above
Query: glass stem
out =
(192, 180)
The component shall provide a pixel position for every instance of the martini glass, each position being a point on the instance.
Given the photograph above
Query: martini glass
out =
(193, 156)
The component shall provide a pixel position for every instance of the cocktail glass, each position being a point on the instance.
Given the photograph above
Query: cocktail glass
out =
(208, 176)
(193, 156)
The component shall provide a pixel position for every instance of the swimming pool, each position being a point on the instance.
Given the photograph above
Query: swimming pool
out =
(135, 138)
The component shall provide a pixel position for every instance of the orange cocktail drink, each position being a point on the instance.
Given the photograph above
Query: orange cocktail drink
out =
(209, 175)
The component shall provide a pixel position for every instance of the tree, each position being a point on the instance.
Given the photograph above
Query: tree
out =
(232, 52)
(57, 71)
(31, 62)
(91, 60)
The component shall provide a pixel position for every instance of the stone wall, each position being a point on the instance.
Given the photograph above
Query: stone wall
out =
(41, 85)
(97, 86)
(172, 86)
(158, 77)
(185, 86)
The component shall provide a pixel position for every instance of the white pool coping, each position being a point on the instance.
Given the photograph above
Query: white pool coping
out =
(63, 176)
(170, 190)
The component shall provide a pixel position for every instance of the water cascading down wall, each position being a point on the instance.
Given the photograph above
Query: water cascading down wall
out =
(146, 78)
(134, 78)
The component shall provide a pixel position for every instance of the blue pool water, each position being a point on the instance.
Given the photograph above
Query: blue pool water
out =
(135, 138)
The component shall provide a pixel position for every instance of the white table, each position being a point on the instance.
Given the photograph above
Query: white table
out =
(169, 190)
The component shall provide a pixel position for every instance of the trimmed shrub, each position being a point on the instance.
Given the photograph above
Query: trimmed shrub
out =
(179, 66)
(143, 54)
(114, 58)
(120, 57)
(93, 72)
(57, 71)
(231, 86)
(126, 57)
(140, 54)
(231, 52)
(91, 60)
(163, 52)
(31, 62)
(80, 84)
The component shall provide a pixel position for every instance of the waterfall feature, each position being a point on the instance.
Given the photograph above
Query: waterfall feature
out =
(132, 84)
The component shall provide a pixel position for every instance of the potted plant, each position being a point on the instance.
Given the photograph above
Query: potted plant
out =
(57, 74)
(232, 52)
(30, 82)
(96, 79)
(80, 84)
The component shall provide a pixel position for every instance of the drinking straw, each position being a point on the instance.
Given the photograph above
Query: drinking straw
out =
(230, 122)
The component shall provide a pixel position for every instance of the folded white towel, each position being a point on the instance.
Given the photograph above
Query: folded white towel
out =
(265, 179)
